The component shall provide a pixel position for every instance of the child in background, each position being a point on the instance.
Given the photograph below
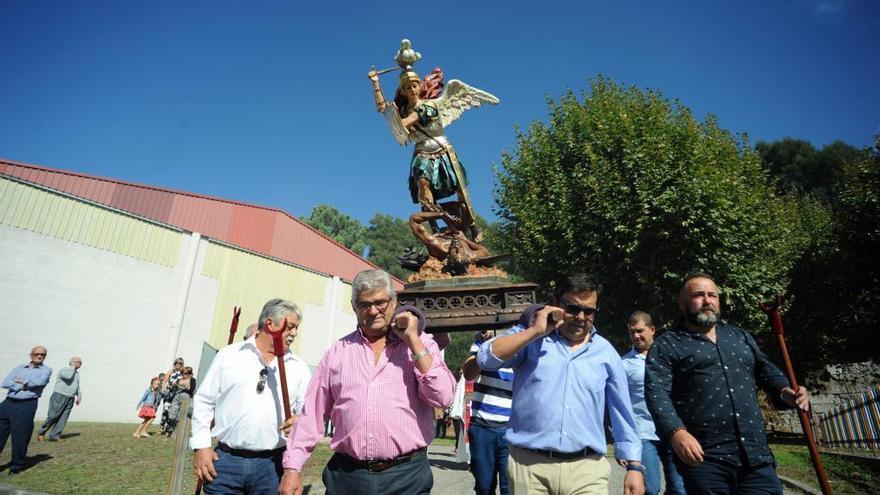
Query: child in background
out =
(147, 408)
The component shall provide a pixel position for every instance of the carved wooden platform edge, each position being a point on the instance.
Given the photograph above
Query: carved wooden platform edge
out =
(461, 308)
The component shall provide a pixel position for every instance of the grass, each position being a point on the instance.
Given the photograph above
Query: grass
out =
(104, 459)
(844, 475)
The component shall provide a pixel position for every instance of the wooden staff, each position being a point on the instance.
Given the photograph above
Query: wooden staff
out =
(280, 347)
(772, 312)
(233, 327)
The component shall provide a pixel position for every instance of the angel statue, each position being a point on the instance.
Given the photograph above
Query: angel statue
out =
(420, 112)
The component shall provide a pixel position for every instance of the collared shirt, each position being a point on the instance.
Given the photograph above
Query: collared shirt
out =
(710, 388)
(67, 383)
(493, 395)
(559, 396)
(634, 364)
(243, 417)
(380, 409)
(35, 380)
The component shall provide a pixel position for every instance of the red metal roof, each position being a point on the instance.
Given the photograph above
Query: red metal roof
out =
(261, 229)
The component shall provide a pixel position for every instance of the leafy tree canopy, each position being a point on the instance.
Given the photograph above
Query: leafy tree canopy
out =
(631, 187)
(798, 166)
(342, 228)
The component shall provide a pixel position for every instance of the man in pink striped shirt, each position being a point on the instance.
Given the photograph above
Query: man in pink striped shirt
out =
(379, 385)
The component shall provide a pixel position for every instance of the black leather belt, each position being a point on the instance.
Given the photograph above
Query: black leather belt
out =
(564, 456)
(377, 465)
(250, 454)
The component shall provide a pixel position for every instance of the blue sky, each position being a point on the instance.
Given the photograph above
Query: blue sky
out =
(267, 101)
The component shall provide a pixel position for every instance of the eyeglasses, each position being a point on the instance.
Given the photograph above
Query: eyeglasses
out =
(178, 362)
(261, 384)
(365, 305)
(38, 354)
(575, 309)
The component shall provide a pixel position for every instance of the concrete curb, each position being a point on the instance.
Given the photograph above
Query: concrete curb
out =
(11, 490)
(798, 486)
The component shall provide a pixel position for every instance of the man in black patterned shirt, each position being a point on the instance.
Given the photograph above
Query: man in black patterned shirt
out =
(701, 378)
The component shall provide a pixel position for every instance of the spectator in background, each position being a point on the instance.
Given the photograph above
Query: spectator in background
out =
(171, 377)
(147, 406)
(65, 395)
(250, 331)
(490, 412)
(641, 333)
(25, 384)
(184, 388)
(456, 409)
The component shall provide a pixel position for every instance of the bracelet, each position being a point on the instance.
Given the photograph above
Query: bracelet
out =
(419, 355)
(676, 430)
(635, 467)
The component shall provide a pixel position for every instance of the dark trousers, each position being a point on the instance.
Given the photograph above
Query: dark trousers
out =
(340, 477)
(245, 475)
(17, 419)
(440, 428)
(674, 482)
(59, 410)
(488, 459)
(713, 477)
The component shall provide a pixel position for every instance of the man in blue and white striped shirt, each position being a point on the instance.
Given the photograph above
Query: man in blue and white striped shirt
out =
(490, 412)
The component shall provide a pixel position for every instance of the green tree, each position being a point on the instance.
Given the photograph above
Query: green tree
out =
(800, 167)
(388, 237)
(836, 284)
(629, 186)
(342, 228)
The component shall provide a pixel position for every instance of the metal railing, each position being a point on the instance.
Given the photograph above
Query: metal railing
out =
(853, 424)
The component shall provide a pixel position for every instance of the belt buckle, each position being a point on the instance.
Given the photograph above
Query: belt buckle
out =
(376, 465)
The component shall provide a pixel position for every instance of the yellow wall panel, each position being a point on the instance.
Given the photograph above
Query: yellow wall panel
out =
(249, 280)
(30, 208)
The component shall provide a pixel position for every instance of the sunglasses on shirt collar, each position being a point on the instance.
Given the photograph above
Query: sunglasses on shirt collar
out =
(261, 384)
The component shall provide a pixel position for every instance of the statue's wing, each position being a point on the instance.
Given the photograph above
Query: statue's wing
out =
(401, 135)
(458, 97)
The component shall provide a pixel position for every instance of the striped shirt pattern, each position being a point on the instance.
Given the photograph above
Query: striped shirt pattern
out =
(493, 393)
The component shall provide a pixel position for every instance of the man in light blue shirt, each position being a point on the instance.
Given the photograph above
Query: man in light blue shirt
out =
(65, 395)
(25, 384)
(564, 375)
(641, 332)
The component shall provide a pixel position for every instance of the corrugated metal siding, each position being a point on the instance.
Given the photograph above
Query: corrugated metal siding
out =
(263, 230)
(29, 208)
(248, 280)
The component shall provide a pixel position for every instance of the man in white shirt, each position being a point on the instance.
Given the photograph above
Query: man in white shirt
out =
(242, 394)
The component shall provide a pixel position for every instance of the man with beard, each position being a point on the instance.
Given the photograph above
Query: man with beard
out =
(700, 382)
(564, 373)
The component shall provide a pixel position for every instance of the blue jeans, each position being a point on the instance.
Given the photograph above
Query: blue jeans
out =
(651, 462)
(674, 482)
(488, 459)
(245, 475)
(713, 477)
